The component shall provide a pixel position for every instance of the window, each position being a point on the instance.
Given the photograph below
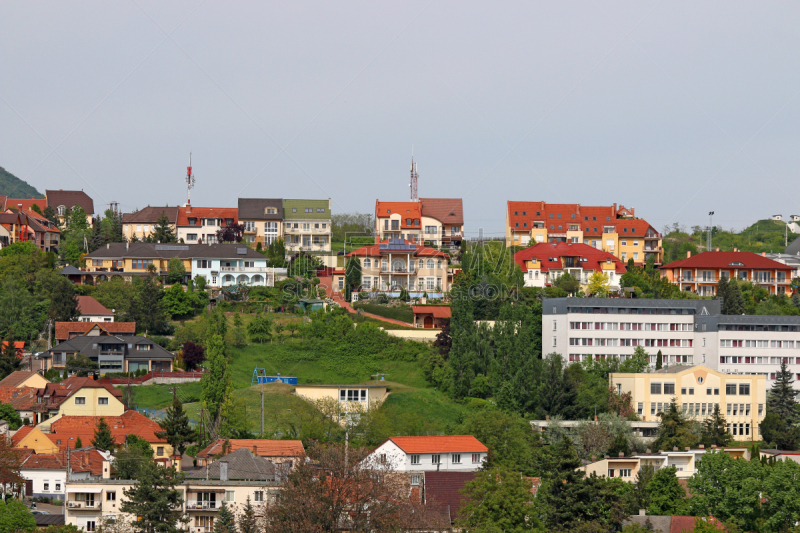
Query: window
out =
(258, 496)
(610, 472)
(760, 409)
(80, 400)
(46, 486)
(415, 459)
(744, 389)
(415, 480)
(367, 263)
(730, 388)
(691, 390)
(669, 388)
(456, 459)
(624, 472)
(653, 408)
(476, 458)
(716, 392)
(90, 525)
(160, 451)
(640, 409)
(435, 459)
(655, 388)
(111, 496)
(229, 496)
(102, 401)
(203, 263)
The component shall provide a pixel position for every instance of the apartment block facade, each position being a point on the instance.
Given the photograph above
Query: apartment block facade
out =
(612, 229)
(262, 219)
(545, 262)
(687, 332)
(199, 225)
(701, 273)
(697, 390)
(307, 225)
(433, 221)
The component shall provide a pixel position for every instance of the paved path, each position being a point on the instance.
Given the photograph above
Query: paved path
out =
(337, 297)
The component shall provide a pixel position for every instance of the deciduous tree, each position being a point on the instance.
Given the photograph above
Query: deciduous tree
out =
(193, 355)
(498, 500)
(176, 271)
(666, 495)
(599, 285)
(15, 517)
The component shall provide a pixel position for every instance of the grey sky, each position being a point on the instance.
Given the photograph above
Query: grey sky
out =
(675, 108)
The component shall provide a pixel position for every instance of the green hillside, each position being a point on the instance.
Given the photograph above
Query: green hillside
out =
(763, 236)
(13, 187)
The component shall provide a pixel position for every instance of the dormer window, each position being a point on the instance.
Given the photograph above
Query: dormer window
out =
(62, 210)
(192, 221)
(736, 264)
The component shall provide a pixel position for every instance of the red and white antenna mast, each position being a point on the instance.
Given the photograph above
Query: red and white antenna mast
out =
(189, 181)
(414, 178)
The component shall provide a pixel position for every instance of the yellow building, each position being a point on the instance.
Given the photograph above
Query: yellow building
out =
(354, 399)
(612, 229)
(143, 223)
(32, 438)
(697, 390)
(22, 378)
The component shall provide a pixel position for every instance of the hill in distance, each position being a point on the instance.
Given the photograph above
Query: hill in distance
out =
(13, 187)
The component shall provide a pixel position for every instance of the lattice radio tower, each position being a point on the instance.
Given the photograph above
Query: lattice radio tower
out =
(189, 181)
(414, 178)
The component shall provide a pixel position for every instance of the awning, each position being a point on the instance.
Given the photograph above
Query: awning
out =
(84, 491)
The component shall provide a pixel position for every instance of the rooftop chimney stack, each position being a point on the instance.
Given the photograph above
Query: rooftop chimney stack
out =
(223, 470)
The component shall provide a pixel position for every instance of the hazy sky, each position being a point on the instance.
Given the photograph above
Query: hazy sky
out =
(674, 108)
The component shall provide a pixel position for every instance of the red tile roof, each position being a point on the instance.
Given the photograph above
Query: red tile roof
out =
(68, 330)
(27, 203)
(590, 219)
(263, 447)
(444, 488)
(20, 434)
(686, 523)
(185, 213)
(19, 345)
(90, 461)
(438, 311)
(16, 378)
(550, 253)
(725, 260)
(130, 422)
(20, 399)
(448, 211)
(46, 461)
(406, 210)
(87, 305)
(439, 444)
(59, 392)
(374, 250)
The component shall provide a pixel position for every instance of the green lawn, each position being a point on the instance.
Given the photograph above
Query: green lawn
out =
(397, 312)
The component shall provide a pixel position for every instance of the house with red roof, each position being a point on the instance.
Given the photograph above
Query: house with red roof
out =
(66, 429)
(545, 262)
(431, 316)
(47, 472)
(455, 453)
(394, 264)
(701, 273)
(36, 228)
(69, 330)
(433, 221)
(199, 225)
(613, 229)
(76, 396)
(93, 311)
(276, 451)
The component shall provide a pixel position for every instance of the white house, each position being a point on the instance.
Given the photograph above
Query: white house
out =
(221, 269)
(93, 311)
(454, 453)
(48, 472)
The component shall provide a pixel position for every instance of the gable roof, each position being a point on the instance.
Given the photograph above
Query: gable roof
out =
(591, 219)
(726, 260)
(151, 214)
(374, 250)
(255, 208)
(185, 213)
(147, 250)
(242, 465)
(550, 254)
(444, 488)
(87, 305)
(67, 330)
(439, 444)
(87, 459)
(27, 203)
(69, 199)
(58, 393)
(438, 311)
(16, 378)
(262, 447)
(130, 422)
(21, 433)
(20, 399)
(445, 210)
(88, 346)
(404, 209)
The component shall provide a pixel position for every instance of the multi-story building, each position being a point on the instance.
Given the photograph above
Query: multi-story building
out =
(701, 273)
(36, 229)
(792, 260)
(62, 202)
(697, 390)
(307, 225)
(221, 265)
(199, 225)
(262, 219)
(545, 262)
(432, 221)
(47, 472)
(142, 223)
(609, 228)
(77, 397)
(687, 332)
(395, 264)
(113, 353)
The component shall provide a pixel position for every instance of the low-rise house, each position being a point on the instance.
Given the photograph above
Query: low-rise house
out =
(21, 399)
(286, 452)
(113, 353)
(32, 438)
(396, 264)
(76, 397)
(349, 399)
(780, 455)
(701, 273)
(93, 311)
(431, 316)
(69, 330)
(307, 225)
(434, 221)
(67, 429)
(142, 224)
(543, 263)
(646, 430)
(430, 453)
(63, 202)
(199, 225)
(47, 472)
(24, 378)
(262, 219)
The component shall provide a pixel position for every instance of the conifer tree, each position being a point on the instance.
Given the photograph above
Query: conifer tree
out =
(162, 231)
(722, 288)
(217, 382)
(78, 443)
(225, 522)
(734, 303)
(659, 360)
(675, 429)
(103, 440)
(715, 430)
(781, 398)
(464, 335)
(248, 523)
(154, 500)
(177, 431)
(796, 300)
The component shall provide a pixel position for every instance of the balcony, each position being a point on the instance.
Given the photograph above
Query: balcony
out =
(202, 506)
(90, 505)
(397, 270)
(300, 230)
(243, 269)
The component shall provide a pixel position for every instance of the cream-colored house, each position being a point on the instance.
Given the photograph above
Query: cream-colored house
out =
(697, 390)
(684, 461)
(23, 378)
(32, 438)
(395, 264)
(346, 399)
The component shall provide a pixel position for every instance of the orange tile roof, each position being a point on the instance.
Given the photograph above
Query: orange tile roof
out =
(20, 434)
(550, 254)
(58, 392)
(27, 203)
(80, 461)
(263, 447)
(438, 311)
(130, 422)
(68, 330)
(89, 306)
(20, 398)
(184, 213)
(406, 210)
(439, 444)
(591, 219)
(374, 250)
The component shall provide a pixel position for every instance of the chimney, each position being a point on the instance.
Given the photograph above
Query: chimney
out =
(688, 254)
(763, 254)
(255, 450)
(127, 245)
(621, 454)
(642, 512)
(188, 208)
(674, 448)
(547, 418)
(717, 250)
(702, 446)
(176, 461)
(606, 457)
(223, 470)
(687, 448)
(595, 418)
(106, 469)
(735, 249)
(713, 446)
(594, 458)
(648, 451)
(108, 246)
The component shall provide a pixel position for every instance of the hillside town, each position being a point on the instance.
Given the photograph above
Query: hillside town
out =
(567, 372)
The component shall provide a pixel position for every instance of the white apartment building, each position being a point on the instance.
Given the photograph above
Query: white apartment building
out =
(687, 332)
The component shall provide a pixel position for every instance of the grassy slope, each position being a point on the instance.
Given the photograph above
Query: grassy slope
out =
(13, 187)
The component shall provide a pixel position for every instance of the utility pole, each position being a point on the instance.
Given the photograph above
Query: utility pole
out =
(262, 409)
(710, 229)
